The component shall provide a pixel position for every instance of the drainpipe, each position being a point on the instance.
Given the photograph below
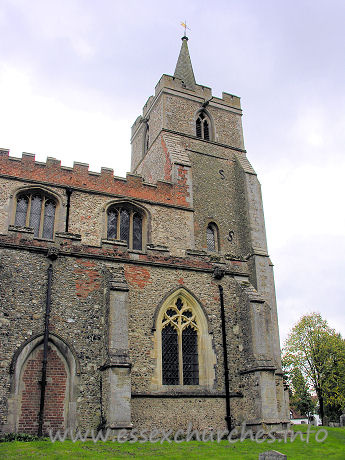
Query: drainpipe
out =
(225, 354)
(68, 193)
(43, 382)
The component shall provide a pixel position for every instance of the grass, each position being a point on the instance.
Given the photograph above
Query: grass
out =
(333, 448)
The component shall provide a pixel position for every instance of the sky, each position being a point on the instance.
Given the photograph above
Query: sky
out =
(75, 74)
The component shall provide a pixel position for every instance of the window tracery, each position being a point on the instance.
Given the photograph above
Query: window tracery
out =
(182, 344)
(203, 126)
(180, 363)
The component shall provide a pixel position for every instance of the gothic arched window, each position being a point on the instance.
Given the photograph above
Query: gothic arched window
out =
(180, 361)
(36, 210)
(125, 223)
(203, 126)
(212, 237)
(182, 344)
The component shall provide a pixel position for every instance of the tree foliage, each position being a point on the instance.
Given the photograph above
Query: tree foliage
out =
(301, 399)
(317, 352)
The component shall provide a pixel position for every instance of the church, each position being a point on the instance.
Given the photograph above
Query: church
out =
(146, 301)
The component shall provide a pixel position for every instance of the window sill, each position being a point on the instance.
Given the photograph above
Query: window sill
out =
(17, 228)
(135, 251)
(29, 231)
(44, 239)
(68, 236)
(157, 248)
(121, 243)
(196, 253)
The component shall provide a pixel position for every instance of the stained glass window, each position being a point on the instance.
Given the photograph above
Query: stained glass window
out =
(125, 223)
(48, 223)
(180, 361)
(170, 361)
(112, 224)
(137, 231)
(37, 211)
(190, 356)
(35, 214)
(22, 207)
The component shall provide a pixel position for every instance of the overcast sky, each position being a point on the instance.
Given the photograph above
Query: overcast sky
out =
(74, 75)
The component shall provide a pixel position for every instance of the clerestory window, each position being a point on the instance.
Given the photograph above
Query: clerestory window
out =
(126, 223)
(180, 361)
(202, 126)
(36, 210)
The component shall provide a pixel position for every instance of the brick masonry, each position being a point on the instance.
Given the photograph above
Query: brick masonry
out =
(55, 395)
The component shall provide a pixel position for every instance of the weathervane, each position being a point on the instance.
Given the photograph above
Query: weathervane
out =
(184, 24)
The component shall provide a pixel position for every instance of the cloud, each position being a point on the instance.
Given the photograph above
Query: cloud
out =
(309, 277)
(75, 75)
(46, 127)
(66, 19)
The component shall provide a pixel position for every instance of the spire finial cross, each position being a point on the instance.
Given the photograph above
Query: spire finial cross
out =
(184, 24)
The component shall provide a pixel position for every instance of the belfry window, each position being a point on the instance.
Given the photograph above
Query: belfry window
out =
(37, 211)
(180, 361)
(202, 126)
(125, 223)
(212, 237)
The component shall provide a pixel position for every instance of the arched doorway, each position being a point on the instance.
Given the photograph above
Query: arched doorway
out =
(61, 388)
(56, 398)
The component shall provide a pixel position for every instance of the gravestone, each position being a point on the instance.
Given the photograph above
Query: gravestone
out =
(342, 420)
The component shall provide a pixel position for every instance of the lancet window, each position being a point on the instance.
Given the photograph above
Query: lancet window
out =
(212, 237)
(203, 126)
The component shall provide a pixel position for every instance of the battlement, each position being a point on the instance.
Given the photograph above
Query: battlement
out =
(168, 81)
(201, 92)
(52, 173)
(204, 92)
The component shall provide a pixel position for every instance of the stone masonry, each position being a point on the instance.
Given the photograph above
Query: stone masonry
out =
(104, 365)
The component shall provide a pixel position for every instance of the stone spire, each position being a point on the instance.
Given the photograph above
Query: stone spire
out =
(184, 69)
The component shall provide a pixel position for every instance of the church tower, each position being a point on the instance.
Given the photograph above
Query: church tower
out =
(141, 302)
(189, 137)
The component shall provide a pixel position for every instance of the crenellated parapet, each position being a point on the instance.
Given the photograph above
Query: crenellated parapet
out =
(51, 172)
(199, 91)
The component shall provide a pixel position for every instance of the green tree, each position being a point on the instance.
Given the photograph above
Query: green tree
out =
(334, 388)
(316, 351)
(301, 399)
